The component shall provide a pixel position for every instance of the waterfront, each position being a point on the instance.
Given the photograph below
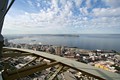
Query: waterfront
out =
(107, 60)
(84, 41)
(101, 59)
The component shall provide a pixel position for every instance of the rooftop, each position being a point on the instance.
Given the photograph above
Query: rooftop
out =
(84, 68)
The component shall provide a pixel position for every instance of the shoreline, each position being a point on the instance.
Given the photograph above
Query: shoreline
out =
(95, 58)
(85, 50)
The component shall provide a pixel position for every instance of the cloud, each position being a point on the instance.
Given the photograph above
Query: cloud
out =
(38, 4)
(106, 12)
(88, 3)
(78, 2)
(59, 17)
(66, 11)
(63, 2)
(54, 3)
(112, 3)
(30, 2)
(84, 11)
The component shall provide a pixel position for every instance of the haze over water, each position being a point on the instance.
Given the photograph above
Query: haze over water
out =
(84, 41)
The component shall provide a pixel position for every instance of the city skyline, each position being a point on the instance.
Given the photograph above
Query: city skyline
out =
(63, 17)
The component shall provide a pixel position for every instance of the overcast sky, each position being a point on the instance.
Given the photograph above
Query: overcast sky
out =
(63, 17)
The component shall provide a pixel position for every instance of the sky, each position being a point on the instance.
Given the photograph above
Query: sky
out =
(63, 17)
